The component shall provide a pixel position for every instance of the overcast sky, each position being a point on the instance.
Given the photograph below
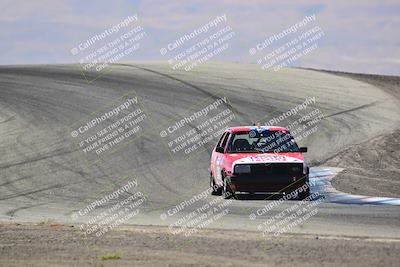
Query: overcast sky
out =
(360, 36)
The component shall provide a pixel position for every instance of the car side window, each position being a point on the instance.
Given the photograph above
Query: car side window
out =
(225, 140)
(221, 139)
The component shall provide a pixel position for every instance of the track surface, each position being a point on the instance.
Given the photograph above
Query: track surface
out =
(43, 177)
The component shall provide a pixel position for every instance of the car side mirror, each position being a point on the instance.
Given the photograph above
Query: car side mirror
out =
(219, 149)
(303, 149)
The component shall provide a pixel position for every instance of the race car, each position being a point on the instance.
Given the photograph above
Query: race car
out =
(255, 159)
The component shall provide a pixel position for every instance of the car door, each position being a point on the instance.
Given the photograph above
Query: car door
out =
(219, 157)
(215, 153)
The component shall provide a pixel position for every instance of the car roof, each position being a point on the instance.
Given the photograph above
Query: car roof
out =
(248, 128)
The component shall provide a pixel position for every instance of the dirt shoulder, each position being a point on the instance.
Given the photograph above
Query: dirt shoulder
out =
(372, 167)
(58, 245)
(389, 84)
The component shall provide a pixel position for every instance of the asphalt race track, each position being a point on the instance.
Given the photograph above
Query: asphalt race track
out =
(43, 174)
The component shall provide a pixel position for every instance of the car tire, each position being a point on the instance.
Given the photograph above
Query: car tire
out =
(226, 191)
(303, 195)
(215, 191)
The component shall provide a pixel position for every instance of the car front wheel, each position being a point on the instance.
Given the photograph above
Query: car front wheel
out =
(305, 194)
(226, 191)
(216, 190)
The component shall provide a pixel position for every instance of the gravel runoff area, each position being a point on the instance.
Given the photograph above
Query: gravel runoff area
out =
(371, 167)
(60, 245)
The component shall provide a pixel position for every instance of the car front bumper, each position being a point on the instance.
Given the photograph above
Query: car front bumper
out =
(268, 178)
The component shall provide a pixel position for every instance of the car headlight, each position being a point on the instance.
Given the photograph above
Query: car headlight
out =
(241, 168)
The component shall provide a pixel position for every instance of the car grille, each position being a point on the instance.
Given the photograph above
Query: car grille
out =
(277, 169)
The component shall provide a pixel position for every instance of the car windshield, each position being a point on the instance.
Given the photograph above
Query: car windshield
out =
(267, 141)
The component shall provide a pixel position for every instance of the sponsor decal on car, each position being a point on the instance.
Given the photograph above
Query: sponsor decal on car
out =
(267, 159)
